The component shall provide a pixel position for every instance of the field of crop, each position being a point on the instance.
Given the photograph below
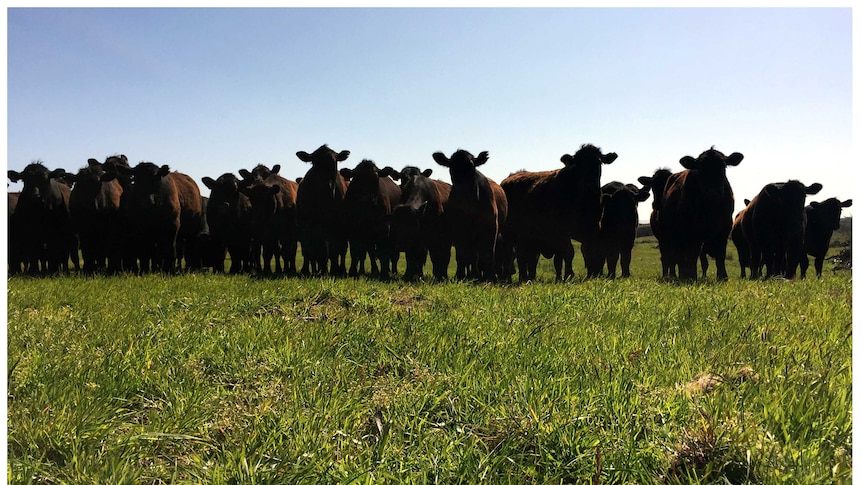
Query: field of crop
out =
(202, 378)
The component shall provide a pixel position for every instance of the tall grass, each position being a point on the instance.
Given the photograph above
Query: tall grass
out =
(220, 379)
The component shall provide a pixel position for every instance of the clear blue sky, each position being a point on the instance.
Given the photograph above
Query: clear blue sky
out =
(209, 91)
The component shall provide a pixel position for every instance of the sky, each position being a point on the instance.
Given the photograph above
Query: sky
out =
(210, 91)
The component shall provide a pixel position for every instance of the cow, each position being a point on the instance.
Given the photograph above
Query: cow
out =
(319, 201)
(94, 206)
(619, 223)
(548, 209)
(697, 213)
(418, 224)
(227, 216)
(738, 238)
(773, 226)
(272, 218)
(476, 212)
(42, 219)
(13, 234)
(163, 217)
(368, 204)
(657, 182)
(822, 218)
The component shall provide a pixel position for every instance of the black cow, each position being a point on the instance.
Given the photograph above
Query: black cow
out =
(822, 218)
(94, 206)
(696, 213)
(476, 212)
(550, 208)
(773, 225)
(319, 201)
(227, 216)
(273, 217)
(42, 220)
(418, 222)
(368, 205)
(619, 224)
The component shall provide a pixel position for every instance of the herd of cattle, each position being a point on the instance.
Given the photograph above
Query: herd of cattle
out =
(148, 218)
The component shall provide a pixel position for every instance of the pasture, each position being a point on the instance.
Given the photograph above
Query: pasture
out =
(203, 378)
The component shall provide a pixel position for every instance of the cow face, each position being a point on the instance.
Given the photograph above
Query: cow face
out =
(656, 184)
(462, 165)
(587, 164)
(259, 173)
(365, 181)
(830, 211)
(36, 179)
(224, 194)
(791, 196)
(712, 163)
(324, 158)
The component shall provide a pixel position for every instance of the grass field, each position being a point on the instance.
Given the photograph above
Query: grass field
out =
(219, 379)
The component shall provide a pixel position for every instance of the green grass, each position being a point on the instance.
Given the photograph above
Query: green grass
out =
(220, 379)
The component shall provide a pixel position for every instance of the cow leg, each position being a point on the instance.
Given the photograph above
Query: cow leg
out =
(803, 265)
(818, 265)
(704, 264)
(440, 258)
(612, 259)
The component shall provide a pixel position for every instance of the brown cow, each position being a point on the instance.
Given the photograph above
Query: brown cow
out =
(418, 222)
(368, 204)
(738, 238)
(773, 225)
(657, 182)
(476, 211)
(319, 201)
(548, 209)
(272, 219)
(822, 218)
(95, 210)
(163, 217)
(697, 213)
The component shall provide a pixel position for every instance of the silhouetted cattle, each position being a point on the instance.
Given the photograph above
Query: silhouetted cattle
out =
(368, 204)
(476, 212)
(696, 213)
(227, 216)
(773, 226)
(94, 206)
(548, 209)
(42, 221)
(619, 224)
(162, 212)
(738, 238)
(657, 183)
(418, 222)
(273, 217)
(822, 218)
(319, 201)
(13, 235)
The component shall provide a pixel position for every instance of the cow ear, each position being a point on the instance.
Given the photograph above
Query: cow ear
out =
(609, 158)
(57, 173)
(299, 180)
(688, 162)
(275, 169)
(814, 204)
(108, 176)
(847, 203)
(342, 156)
(427, 172)
(481, 159)
(567, 159)
(346, 173)
(209, 182)
(643, 194)
(164, 170)
(441, 159)
(389, 172)
(733, 159)
(245, 174)
(304, 156)
(645, 180)
(747, 201)
(771, 189)
(13, 175)
(92, 162)
(813, 188)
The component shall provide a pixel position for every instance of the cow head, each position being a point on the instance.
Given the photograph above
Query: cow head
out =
(712, 163)
(88, 180)
(656, 184)
(462, 165)
(324, 158)
(259, 172)
(36, 178)
(224, 193)
(830, 211)
(791, 197)
(587, 164)
(115, 167)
